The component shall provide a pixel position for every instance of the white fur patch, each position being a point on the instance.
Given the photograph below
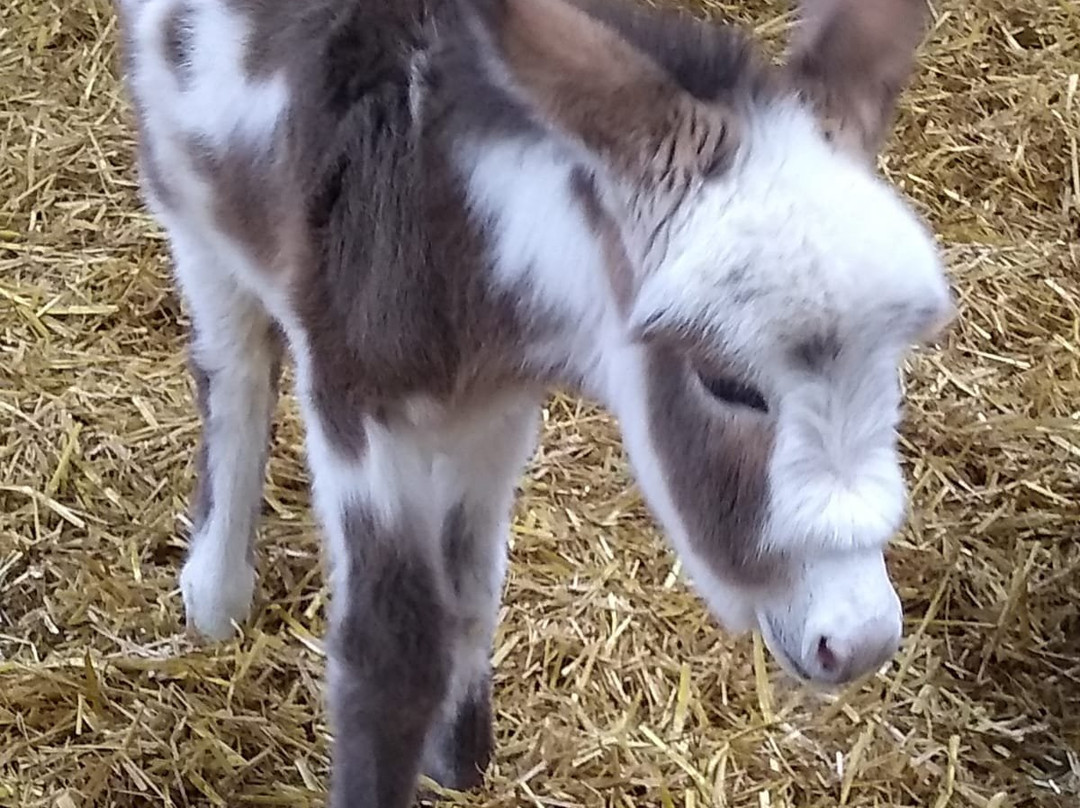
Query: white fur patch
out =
(543, 246)
(219, 105)
(845, 599)
(796, 239)
(835, 475)
(217, 589)
(219, 102)
(231, 345)
(391, 477)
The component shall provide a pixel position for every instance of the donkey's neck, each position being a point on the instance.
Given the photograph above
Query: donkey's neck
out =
(546, 247)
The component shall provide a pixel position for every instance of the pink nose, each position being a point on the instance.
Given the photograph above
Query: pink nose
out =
(864, 649)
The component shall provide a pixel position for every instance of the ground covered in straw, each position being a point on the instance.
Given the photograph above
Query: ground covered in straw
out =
(614, 687)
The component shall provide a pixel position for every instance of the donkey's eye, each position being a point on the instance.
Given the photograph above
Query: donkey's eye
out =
(734, 392)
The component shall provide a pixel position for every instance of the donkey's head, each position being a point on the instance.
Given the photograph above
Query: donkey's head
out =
(766, 285)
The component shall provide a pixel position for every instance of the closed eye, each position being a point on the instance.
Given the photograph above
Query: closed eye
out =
(731, 391)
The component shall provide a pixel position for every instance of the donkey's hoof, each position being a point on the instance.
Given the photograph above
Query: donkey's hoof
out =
(437, 786)
(440, 781)
(459, 754)
(458, 772)
(216, 594)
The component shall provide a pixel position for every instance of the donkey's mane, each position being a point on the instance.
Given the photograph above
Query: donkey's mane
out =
(711, 62)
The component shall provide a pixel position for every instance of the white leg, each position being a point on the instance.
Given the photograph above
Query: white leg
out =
(235, 359)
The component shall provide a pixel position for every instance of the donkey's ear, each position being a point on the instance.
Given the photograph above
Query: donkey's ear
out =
(581, 78)
(853, 59)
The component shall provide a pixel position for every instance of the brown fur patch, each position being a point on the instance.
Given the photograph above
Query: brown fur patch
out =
(397, 296)
(390, 653)
(202, 499)
(271, 22)
(716, 462)
(251, 201)
(599, 88)
(710, 61)
(472, 739)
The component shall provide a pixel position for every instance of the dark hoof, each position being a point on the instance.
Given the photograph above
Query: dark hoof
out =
(464, 749)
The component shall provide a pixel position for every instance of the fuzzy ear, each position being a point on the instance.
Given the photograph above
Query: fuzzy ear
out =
(580, 77)
(853, 59)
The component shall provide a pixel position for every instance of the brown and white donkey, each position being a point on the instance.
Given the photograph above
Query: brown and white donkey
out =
(445, 208)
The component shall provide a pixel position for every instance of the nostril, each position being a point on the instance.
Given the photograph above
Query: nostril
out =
(826, 656)
(842, 658)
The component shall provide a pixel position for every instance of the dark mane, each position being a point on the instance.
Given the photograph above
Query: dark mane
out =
(711, 61)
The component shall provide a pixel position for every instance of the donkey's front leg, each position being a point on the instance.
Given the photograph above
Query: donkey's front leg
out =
(417, 531)
(389, 665)
(392, 626)
(479, 474)
(235, 360)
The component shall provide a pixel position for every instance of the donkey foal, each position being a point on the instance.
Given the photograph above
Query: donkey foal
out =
(443, 208)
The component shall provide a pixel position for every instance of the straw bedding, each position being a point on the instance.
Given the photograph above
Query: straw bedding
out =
(614, 687)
